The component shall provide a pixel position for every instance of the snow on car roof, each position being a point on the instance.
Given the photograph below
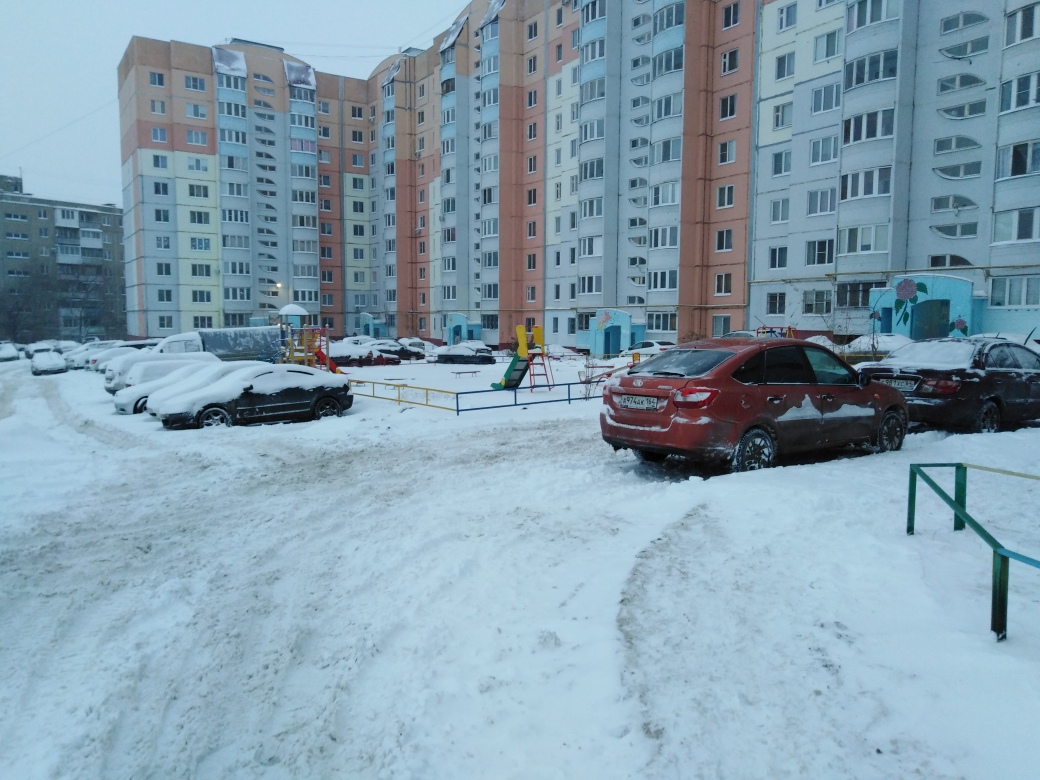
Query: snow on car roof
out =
(943, 354)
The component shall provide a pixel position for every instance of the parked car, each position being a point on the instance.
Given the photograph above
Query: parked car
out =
(426, 347)
(260, 394)
(98, 361)
(747, 402)
(207, 375)
(462, 353)
(47, 361)
(249, 343)
(47, 345)
(396, 348)
(8, 351)
(145, 378)
(117, 369)
(646, 349)
(964, 383)
(363, 355)
(78, 358)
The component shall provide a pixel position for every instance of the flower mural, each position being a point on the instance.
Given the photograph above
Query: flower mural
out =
(908, 292)
(959, 325)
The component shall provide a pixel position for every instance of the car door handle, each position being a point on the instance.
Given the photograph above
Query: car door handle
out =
(775, 399)
(827, 397)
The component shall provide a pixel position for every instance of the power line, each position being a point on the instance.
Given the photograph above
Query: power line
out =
(63, 127)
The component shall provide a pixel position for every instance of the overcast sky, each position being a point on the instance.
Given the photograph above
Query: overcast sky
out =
(59, 118)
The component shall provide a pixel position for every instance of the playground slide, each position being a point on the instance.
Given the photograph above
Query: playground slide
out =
(514, 374)
(320, 355)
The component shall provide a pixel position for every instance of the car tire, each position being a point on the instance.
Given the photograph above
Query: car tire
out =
(987, 419)
(756, 450)
(140, 405)
(213, 417)
(651, 456)
(890, 432)
(327, 407)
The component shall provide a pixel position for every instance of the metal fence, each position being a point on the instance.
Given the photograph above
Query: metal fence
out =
(458, 402)
(958, 503)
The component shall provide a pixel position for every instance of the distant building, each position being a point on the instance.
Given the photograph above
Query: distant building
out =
(61, 268)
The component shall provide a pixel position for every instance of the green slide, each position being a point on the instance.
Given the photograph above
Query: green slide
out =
(514, 374)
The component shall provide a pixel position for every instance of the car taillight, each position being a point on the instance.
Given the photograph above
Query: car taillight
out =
(694, 397)
(939, 386)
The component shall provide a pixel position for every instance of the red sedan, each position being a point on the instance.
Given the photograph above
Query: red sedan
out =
(746, 402)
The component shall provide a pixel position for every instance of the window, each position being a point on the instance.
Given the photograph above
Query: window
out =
(200, 245)
(591, 169)
(787, 17)
(159, 161)
(727, 152)
(156, 79)
(667, 150)
(827, 46)
(783, 115)
(1018, 159)
(723, 284)
(195, 83)
(958, 82)
(724, 240)
(197, 137)
(1020, 92)
(159, 135)
(864, 127)
(730, 60)
(730, 15)
(161, 188)
(967, 49)
(664, 237)
(1014, 291)
(162, 215)
(952, 203)
(778, 257)
(593, 90)
(780, 210)
(823, 150)
(158, 106)
(965, 110)
(667, 62)
(826, 98)
(670, 16)
(865, 184)
(532, 65)
(957, 230)
(490, 291)
(728, 107)
(968, 170)
(865, 12)
(819, 252)
(665, 194)
(724, 196)
(201, 296)
(863, 239)
(785, 66)
(532, 31)
(873, 67)
(816, 302)
(165, 296)
(1022, 25)
(821, 201)
(776, 303)
(782, 163)
(1016, 225)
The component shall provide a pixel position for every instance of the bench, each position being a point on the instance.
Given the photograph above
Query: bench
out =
(461, 373)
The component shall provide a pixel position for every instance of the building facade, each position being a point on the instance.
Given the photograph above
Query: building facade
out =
(582, 166)
(61, 268)
(894, 156)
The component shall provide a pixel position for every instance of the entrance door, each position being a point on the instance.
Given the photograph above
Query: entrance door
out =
(612, 340)
(930, 320)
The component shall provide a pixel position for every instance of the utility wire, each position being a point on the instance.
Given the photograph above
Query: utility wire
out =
(63, 127)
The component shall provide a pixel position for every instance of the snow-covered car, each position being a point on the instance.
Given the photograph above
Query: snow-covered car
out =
(426, 347)
(47, 361)
(78, 358)
(145, 378)
(8, 351)
(64, 346)
(396, 348)
(461, 353)
(360, 355)
(47, 345)
(645, 349)
(208, 374)
(271, 393)
(116, 371)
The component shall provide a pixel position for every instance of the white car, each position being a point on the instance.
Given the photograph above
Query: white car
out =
(117, 369)
(78, 358)
(147, 378)
(466, 352)
(8, 351)
(207, 376)
(269, 393)
(47, 361)
(645, 349)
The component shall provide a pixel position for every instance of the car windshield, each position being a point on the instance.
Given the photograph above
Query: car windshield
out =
(682, 362)
(955, 353)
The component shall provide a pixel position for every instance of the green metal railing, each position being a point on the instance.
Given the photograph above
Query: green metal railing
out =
(958, 503)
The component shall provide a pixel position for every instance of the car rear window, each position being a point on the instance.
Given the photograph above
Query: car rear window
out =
(933, 354)
(683, 362)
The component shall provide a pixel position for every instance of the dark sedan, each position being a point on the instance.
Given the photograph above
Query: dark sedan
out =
(260, 394)
(747, 402)
(977, 384)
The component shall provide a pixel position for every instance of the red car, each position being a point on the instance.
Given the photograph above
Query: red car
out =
(746, 402)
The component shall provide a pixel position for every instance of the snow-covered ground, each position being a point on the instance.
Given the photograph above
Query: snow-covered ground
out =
(406, 593)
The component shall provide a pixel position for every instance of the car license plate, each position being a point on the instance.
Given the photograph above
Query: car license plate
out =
(900, 384)
(647, 402)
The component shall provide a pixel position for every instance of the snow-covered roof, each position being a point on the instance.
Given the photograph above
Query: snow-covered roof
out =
(229, 61)
(297, 74)
(492, 12)
(392, 72)
(453, 33)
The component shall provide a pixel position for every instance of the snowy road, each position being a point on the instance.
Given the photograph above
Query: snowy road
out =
(402, 593)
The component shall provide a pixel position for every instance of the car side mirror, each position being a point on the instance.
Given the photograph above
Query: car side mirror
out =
(247, 388)
(862, 379)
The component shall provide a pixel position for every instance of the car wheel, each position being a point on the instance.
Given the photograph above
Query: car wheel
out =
(214, 416)
(988, 418)
(326, 407)
(756, 450)
(140, 405)
(891, 432)
(651, 456)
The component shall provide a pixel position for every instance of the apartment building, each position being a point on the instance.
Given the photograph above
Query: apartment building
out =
(579, 165)
(61, 267)
(893, 153)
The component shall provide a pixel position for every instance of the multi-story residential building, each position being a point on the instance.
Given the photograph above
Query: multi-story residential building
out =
(893, 154)
(61, 267)
(577, 164)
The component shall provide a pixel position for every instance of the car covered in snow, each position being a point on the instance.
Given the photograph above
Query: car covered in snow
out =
(465, 352)
(8, 351)
(208, 374)
(145, 378)
(47, 361)
(271, 393)
(396, 349)
(118, 369)
(972, 383)
(746, 402)
(78, 357)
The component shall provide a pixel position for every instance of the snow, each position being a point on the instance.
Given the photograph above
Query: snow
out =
(405, 593)
(942, 354)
